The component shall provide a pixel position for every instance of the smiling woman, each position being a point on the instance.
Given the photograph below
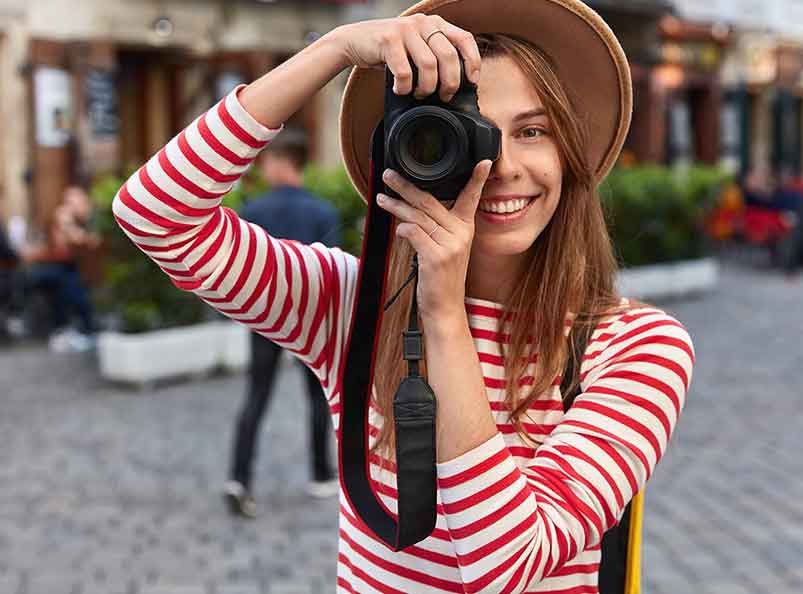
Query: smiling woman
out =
(525, 491)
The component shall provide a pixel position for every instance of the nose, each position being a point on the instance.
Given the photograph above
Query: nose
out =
(506, 167)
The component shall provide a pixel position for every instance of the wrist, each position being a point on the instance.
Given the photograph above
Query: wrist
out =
(335, 39)
(445, 326)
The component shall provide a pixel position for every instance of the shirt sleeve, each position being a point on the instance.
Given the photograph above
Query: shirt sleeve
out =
(513, 528)
(297, 295)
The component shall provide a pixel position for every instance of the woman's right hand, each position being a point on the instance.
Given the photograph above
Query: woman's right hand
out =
(374, 43)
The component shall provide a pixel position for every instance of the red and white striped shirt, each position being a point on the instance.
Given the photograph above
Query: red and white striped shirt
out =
(511, 517)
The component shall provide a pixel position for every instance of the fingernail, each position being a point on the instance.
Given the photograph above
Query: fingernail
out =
(388, 174)
(475, 76)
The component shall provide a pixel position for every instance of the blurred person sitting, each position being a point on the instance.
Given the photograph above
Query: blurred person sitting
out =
(9, 260)
(52, 264)
(288, 211)
(758, 185)
(790, 247)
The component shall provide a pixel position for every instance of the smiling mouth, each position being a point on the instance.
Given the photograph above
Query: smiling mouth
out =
(505, 207)
(496, 211)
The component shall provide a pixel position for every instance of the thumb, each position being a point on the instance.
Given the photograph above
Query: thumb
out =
(466, 205)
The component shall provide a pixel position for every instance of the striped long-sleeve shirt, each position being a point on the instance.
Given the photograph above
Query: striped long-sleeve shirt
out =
(514, 515)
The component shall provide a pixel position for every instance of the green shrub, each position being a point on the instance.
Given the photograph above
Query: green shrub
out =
(656, 213)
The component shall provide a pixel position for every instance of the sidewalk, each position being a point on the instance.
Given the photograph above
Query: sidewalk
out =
(111, 491)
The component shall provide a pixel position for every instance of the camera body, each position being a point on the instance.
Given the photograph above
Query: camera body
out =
(433, 144)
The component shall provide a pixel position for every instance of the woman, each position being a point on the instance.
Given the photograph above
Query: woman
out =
(525, 492)
(55, 264)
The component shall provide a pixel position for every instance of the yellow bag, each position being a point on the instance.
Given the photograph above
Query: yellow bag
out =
(633, 571)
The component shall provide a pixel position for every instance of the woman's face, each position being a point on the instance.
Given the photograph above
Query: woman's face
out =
(524, 185)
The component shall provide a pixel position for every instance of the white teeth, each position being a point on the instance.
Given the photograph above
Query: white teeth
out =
(505, 207)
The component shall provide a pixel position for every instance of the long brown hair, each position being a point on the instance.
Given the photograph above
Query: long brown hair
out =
(572, 270)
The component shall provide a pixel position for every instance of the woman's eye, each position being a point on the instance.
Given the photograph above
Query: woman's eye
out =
(533, 132)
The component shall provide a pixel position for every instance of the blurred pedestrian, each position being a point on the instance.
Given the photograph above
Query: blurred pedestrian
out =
(52, 265)
(287, 211)
(790, 249)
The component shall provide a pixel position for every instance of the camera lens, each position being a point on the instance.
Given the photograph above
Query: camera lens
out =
(426, 144)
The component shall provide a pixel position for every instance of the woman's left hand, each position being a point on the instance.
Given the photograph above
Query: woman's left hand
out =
(441, 237)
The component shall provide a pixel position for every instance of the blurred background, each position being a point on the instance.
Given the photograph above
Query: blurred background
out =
(113, 447)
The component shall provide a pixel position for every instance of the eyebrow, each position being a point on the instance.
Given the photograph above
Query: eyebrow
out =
(538, 111)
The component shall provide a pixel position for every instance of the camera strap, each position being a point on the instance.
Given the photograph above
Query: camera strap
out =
(414, 404)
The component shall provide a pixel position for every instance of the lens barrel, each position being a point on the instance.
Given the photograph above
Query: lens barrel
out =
(429, 143)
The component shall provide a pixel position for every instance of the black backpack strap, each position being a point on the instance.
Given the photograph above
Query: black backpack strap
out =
(613, 562)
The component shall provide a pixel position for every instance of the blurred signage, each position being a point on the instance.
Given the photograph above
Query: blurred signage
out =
(53, 111)
(703, 55)
(101, 103)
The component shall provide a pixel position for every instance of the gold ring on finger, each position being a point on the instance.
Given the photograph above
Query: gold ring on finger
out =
(433, 33)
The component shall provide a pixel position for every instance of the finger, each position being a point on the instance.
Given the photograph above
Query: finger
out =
(419, 199)
(399, 64)
(405, 212)
(425, 62)
(465, 42)
(422, 243)
(448, 66)
(468, 200)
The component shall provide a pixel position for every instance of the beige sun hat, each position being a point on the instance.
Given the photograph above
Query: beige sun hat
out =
(590, 62)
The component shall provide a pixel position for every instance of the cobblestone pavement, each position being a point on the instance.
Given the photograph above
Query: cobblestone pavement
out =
(108, 490)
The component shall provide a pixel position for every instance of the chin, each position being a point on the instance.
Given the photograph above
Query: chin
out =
(503, 246)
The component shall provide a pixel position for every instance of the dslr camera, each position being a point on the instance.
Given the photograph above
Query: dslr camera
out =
(433, 144)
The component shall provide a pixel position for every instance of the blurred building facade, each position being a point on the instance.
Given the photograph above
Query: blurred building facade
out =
(98, 86)
(761, 80)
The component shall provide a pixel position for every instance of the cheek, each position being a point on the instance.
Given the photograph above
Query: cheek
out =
(550, 165)
(553, 168)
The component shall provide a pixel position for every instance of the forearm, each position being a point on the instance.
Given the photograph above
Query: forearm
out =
(277, 95)
(454, 373)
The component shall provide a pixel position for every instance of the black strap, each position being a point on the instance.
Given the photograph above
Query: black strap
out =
(613, 561)
(570, 382)
(413, 405)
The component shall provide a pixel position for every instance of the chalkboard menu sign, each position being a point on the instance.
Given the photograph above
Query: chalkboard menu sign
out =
(101, 103)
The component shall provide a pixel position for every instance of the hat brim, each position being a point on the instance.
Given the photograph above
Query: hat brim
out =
(590, 62)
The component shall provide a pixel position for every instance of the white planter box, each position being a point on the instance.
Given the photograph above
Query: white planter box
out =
(235, 346)
(150, 356)
(676, 279)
